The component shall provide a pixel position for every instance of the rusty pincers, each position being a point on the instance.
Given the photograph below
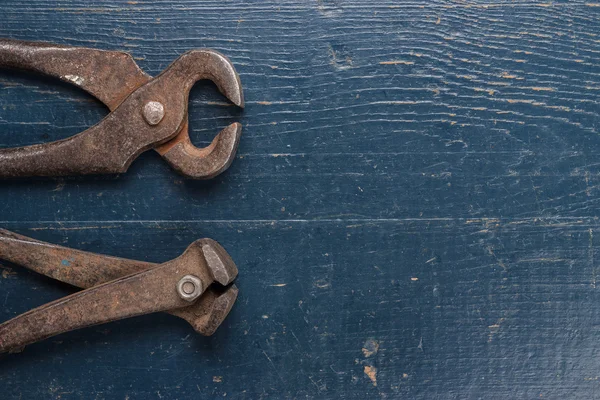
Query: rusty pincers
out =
(145, 112)
(117, 288)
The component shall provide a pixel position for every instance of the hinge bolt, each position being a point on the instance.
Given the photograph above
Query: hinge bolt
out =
(189, 287)
(153, 112)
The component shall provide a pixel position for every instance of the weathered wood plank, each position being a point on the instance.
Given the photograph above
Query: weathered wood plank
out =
(436, 308)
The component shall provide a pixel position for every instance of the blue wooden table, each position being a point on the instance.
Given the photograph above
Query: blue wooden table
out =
(413, 208)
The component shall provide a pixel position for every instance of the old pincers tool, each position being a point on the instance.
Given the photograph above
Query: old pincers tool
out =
(117, 288)
(145, 112)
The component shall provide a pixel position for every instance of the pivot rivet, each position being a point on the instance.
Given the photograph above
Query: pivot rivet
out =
(153, 112)
(189, 287)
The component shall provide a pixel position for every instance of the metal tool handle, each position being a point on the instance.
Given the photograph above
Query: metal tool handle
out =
(126, 297)
(170, 286)
(84, 269)
(108, 147)
(110, 76)
(75, 267)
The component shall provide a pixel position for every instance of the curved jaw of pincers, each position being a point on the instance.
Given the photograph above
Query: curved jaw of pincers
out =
(202, 163)
(223, 74)
(179, 152)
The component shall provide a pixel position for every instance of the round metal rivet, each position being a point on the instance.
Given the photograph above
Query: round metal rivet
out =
(153, 112)
(189, 287)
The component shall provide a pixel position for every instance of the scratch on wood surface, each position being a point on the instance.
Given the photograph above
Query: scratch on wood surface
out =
(72, 228)
(541, 259)
(396, 62)
(340, 59)
(591, 255)
(494, 328)
(538, 88)
(489, 91)
(506, 75)
(498, 260)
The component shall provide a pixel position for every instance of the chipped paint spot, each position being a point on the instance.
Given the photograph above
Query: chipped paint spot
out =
(489, 91)
(396, 62)
(371, 347)
(322, 284)
(540, 89)
(494, 328)
(7, 272)
(371, 372)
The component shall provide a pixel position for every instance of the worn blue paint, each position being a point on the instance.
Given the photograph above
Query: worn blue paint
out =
(413, 208)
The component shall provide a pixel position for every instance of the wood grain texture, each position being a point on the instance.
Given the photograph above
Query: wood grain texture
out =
(413, 210)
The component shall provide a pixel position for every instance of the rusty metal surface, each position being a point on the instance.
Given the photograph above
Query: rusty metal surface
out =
(182, 155)
(118, 288)
(145, 113)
